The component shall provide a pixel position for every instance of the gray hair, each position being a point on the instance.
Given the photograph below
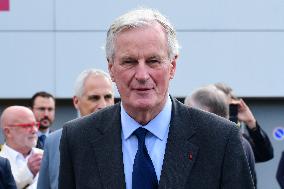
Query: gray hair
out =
(140, 18)
(80, 81)
(226, 89)
(210, 99)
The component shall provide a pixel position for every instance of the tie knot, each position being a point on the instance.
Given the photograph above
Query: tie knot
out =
(42, 138)
(141, 133)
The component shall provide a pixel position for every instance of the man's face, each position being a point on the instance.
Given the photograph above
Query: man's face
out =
(21, 137)
(141, 68)
(44, 110)
(97, 94)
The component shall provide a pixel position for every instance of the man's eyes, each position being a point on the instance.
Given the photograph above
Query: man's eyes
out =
(97, 98)
(132, 62)
(153, 61)
(129, 61)
(42, 109)
(94, 98)
(108, 96)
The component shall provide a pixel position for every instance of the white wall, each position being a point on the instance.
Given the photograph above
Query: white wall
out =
(45, 44)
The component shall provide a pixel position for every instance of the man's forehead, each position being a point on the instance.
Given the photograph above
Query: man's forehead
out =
(142, 26)
(20, 116)
(43, 100)
(94, 93)
(97, 82)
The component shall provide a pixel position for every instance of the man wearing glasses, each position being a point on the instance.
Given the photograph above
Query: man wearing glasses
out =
(43, 107)
(20, 131)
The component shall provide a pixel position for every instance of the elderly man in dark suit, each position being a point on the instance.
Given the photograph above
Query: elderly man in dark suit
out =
(6, 177)
(149, 140)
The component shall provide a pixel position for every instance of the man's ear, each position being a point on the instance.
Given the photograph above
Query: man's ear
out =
(110, 70)
(6, 131)
(173, 67)
(75, 101)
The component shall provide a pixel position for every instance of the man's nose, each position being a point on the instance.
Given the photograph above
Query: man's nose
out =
(46, 112)
(102, 104)
(142, 71)
(34, 129)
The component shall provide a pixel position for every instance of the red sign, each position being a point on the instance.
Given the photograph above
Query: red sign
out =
(4, 5)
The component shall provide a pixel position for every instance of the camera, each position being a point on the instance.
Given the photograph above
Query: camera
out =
(233, 112)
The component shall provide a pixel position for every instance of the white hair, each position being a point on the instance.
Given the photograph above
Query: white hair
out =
(140, 18)
(79, 83)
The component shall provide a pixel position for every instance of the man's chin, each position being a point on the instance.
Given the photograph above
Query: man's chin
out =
(44, 127)
(144, 105)
(32, 144)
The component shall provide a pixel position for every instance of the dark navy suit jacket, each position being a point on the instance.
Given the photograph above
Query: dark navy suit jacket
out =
(6, 178)
(203, 151)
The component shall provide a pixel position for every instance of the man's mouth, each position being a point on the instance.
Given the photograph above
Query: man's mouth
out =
(143, 89)
(45, 122)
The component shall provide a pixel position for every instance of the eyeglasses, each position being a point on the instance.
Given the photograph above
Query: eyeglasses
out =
(43, 109)
(26, 125)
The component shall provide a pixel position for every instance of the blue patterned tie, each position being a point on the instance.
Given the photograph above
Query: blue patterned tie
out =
(143, 175)
(41, 141)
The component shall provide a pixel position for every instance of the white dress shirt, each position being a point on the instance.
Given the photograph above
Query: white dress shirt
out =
(22, 174)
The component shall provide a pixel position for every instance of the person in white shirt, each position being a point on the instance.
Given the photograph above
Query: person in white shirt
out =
(20, 131)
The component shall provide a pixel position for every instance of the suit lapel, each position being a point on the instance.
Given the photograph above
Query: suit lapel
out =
(108, 150)
(180, 152)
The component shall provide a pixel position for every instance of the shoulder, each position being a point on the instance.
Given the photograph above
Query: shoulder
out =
(200, 117)
(4, 164)
(3, 161)
(53, 139)
(94, 121)
(54, 135)
(203, 124)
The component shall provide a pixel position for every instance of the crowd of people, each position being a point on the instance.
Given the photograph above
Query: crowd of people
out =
(149, 139)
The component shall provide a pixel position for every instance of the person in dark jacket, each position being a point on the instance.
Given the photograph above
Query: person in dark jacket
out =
(280, 172)
(258, 139)
(213, 100)
(6, 178)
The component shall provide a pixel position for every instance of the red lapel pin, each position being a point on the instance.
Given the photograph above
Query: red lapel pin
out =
(190, 156)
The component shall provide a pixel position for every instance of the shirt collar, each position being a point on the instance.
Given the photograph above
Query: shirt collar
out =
(39, 133)
(157, 126)
(15, 154)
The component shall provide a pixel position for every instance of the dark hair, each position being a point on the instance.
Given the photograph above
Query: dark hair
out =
(41, 94)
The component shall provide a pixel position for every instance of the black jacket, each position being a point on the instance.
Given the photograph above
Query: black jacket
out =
(260, 143)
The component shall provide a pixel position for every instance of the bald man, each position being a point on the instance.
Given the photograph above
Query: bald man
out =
(20, 131)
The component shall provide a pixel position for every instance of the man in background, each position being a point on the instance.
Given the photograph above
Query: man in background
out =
(93, 91)
(213, 100)
(43, 107)
(258, 139)
(20, 131)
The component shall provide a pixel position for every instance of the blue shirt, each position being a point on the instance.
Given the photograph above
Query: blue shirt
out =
(39, 133)
(156, 140)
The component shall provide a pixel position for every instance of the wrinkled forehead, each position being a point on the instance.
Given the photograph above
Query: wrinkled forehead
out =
(153, 32)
